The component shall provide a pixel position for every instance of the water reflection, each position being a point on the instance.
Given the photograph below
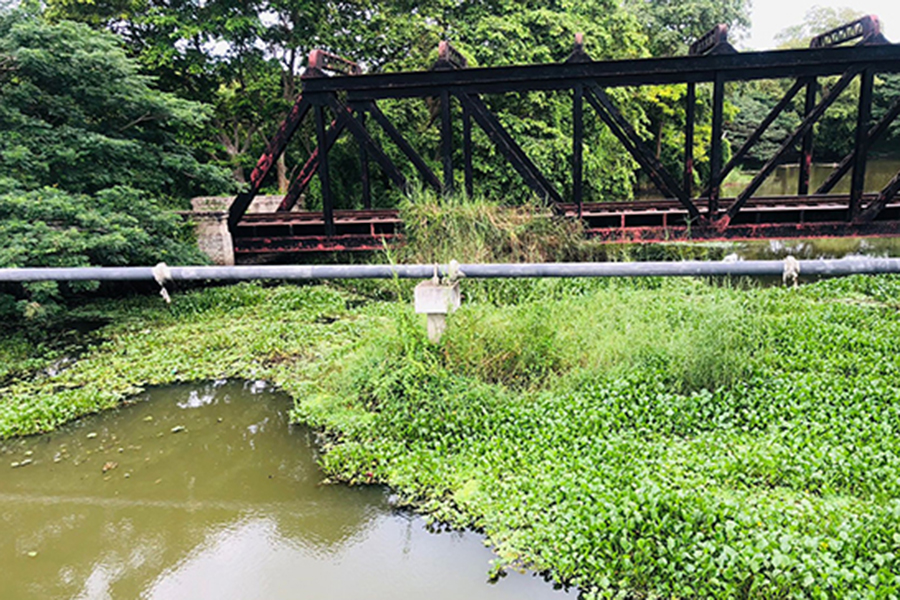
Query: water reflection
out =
(810, 249)
(209, 492)
(785, 179)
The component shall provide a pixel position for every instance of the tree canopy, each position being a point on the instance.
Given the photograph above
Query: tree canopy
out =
(77, 115)
(91, 154)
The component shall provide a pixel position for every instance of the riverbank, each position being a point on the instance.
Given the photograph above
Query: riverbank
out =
(671, 438)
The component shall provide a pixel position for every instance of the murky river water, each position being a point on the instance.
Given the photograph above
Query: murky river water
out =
(784, 181)
(208, 492)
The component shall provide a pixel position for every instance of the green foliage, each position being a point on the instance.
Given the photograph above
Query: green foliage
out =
(672, 25)
(77, 115)
(252, 85)
(887, 90)
(650, 438)
(92, 158)
(118, 226)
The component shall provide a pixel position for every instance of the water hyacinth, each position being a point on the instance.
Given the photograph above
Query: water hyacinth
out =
(639, 439)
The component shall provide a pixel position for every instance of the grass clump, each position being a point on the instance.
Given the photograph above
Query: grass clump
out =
(439, 229)
(653, 438)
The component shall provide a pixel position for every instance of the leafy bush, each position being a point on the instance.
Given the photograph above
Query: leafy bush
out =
(93, 158)
(116, 226)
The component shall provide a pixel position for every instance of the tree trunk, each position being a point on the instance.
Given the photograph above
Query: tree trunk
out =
(283, 181)
(659, 140)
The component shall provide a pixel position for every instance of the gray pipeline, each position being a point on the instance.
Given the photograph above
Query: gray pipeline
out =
(746, 268)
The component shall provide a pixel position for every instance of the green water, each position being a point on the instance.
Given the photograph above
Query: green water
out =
(785, 179)
(208, 492)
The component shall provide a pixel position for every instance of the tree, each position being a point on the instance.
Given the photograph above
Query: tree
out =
(77, 115)
(672, 25)
(91, 156)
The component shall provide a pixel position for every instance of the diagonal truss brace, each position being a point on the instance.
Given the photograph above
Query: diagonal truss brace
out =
(622, 129)
(337, 127)
(847, 162)
(311, 166)
(397, 138)
(363, 138)
(274, 150)
(878, 204)
(508, 147)
(761, 129)
(805, 126)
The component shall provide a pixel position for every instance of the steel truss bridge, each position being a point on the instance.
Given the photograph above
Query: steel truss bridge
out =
(337, 86)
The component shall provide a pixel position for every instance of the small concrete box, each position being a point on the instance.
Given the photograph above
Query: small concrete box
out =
(436, 300)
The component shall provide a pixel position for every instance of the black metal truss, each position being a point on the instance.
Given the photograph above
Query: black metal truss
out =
(353, 98)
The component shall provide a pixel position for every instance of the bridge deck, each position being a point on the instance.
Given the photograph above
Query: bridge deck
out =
(635, 221)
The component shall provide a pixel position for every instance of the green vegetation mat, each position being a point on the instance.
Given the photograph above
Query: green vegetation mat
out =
(636, 438)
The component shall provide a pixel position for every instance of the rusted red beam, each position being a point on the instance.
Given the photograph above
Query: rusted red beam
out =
(745, 232)
(320, 62)
(308, 171)
(296, 244)
(634, 222)
(375, 242)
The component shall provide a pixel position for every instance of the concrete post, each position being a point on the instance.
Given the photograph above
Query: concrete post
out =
(436, 300)
(210, 217)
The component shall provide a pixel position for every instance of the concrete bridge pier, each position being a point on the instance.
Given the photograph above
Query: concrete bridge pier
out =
(210, 216)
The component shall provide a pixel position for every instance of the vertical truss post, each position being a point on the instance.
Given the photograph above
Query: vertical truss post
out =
(324, 180)
(311, 167)
(364, 167)
(467, 153)
(806, 151)
(447, 142)
(860, 146)
(690, 110)
(508, 147)
(715, 157)
(578, 146)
